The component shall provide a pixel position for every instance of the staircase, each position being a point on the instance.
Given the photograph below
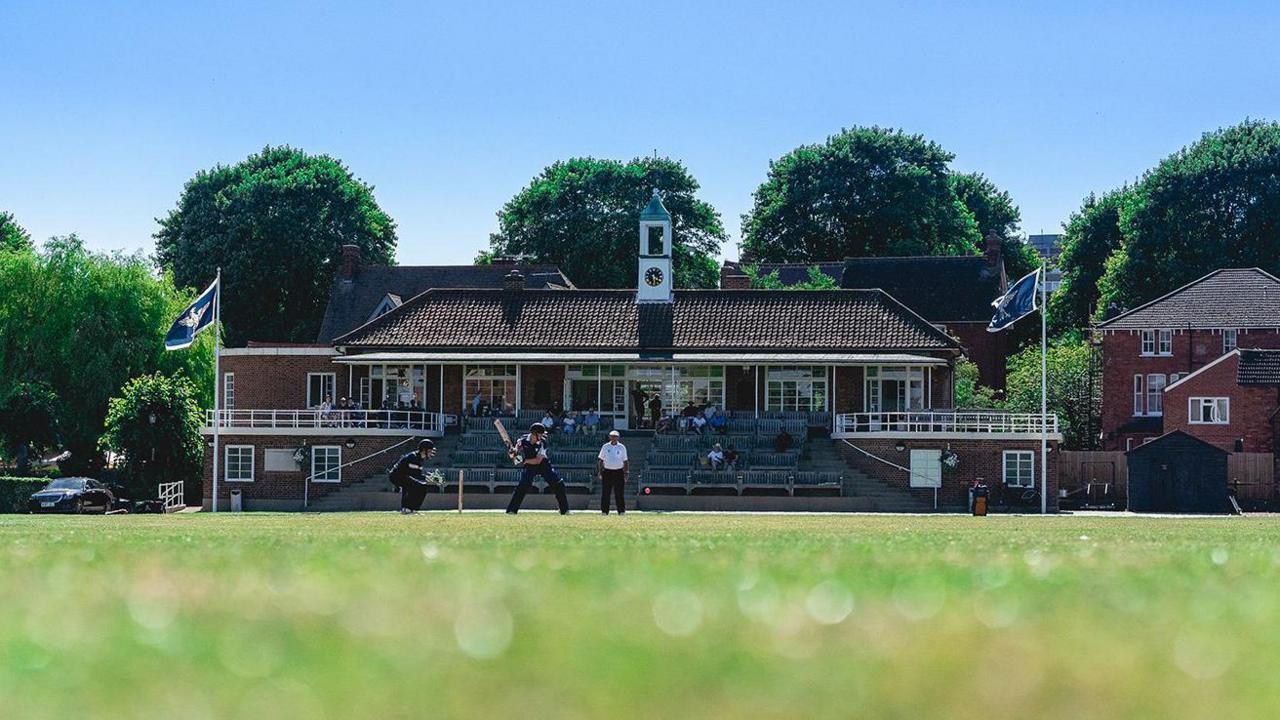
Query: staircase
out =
(376, 492)
(824, 454)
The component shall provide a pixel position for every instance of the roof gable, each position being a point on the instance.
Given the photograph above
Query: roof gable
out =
(1226, 298)
(613, 320)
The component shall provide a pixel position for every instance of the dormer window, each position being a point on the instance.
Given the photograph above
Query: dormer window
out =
(389, 302)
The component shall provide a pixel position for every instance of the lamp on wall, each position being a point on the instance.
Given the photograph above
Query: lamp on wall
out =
(900, 446)
(350, 443)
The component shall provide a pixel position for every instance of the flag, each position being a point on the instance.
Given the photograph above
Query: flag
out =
(1018, 302)
(197, 317)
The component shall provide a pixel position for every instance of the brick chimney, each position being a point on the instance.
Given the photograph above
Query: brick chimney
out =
(732, 278)
(505, 261)
(992, 251)
(350, 262)
(513, 282)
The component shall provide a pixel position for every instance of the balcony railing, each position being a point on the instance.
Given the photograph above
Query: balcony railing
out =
(946, 421)
(370, 422)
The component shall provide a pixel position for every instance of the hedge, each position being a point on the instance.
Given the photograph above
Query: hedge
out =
(16, 491)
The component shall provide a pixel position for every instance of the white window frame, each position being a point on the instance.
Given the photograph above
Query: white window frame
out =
(229, 391)
(798, 388)
(1220, 410)
(331, 475)
(1155, 394)
(226, 463)
(1148, 346)
(1165, 338)
(1022, 456)
(1139, 395)
(1229, 340)
(926, 468)
(332, 385)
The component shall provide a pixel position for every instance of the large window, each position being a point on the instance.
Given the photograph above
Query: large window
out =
(326, 463)
(603, 387)
(1209, 410)
(1165, 338)
(894, 389)
(1019, 468)
(1157, 342)
(238, 463)
(490, 388)
(796, 388)
(320, 388)
(1155, 394)
(680, 385)
(397, 387)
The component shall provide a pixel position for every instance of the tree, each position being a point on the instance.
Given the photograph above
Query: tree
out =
(867, 191)
(995, 213)
(1073, 394)
(818, 280)
(1211, 205)
(12, 236)
(968, 393)
(1092, 234)
(154, 423)
(29, 422)
(582, 215)
(85, 323)
(275, 223)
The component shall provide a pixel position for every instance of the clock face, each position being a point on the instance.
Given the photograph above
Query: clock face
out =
(653, 276)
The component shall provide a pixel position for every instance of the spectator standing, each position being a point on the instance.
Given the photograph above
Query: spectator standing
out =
(655, 410)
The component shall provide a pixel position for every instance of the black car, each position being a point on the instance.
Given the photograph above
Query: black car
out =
(72, 495)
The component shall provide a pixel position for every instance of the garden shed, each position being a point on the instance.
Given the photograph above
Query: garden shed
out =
(1178, 473)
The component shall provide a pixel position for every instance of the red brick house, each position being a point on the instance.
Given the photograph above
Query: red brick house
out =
(1152, 347)
(831, 366)
(952, 292)
(1230, 403)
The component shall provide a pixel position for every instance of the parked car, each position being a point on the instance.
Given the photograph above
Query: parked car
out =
(72, 495)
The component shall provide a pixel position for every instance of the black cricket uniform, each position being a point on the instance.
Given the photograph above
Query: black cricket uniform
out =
(408, 476)
(528, 448)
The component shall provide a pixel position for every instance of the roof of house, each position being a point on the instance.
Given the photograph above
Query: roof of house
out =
(956, 288)
(352, 302)
(612, 320)
(1226, 298)
(1258, 367)
(943, 288)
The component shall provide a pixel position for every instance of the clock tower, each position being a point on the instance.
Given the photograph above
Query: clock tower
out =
(654, 284)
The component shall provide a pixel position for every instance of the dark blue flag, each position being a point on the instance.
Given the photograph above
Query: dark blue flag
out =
(1018, 302)
(197, 317)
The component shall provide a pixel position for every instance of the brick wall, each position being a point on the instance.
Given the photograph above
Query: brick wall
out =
(987, 350)
(284, 490)
(1249, 413)
(1122, 359)
(978, 459)
(265, 382)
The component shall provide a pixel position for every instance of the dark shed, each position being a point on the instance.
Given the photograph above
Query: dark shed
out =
(1178, 473)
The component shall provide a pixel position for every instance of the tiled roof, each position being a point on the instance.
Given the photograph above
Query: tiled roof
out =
(715, 320)
(351, 302)
(795, 273)
(1259, 367)
(957, 288)
(1227, 298)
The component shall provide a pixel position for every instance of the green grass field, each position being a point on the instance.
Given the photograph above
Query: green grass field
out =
(437, 615)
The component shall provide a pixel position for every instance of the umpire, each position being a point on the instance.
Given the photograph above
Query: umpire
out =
(407, 475)
(612, 467)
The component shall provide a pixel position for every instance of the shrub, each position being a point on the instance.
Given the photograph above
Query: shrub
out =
(15, 491)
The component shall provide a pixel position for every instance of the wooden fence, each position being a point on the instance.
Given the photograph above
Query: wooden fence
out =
(1102, 476)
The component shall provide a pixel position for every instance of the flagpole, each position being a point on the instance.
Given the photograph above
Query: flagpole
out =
(217, 375)
(1044, 397)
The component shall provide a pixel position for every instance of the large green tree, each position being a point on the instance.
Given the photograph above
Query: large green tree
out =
(12, 235)
(275, 223)
(1075, 388)
(866, 191)
(1213, 204)
(154, 423)
(28, 421)
(582, 215)
(995, 213)
(1092, 235)
(85, 323)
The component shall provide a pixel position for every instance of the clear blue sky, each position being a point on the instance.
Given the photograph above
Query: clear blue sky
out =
(106, 109)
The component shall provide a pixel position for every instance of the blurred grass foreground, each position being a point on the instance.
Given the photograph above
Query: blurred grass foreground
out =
(645, 616)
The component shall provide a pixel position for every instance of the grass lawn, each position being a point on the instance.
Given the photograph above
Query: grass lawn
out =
(377, 615)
